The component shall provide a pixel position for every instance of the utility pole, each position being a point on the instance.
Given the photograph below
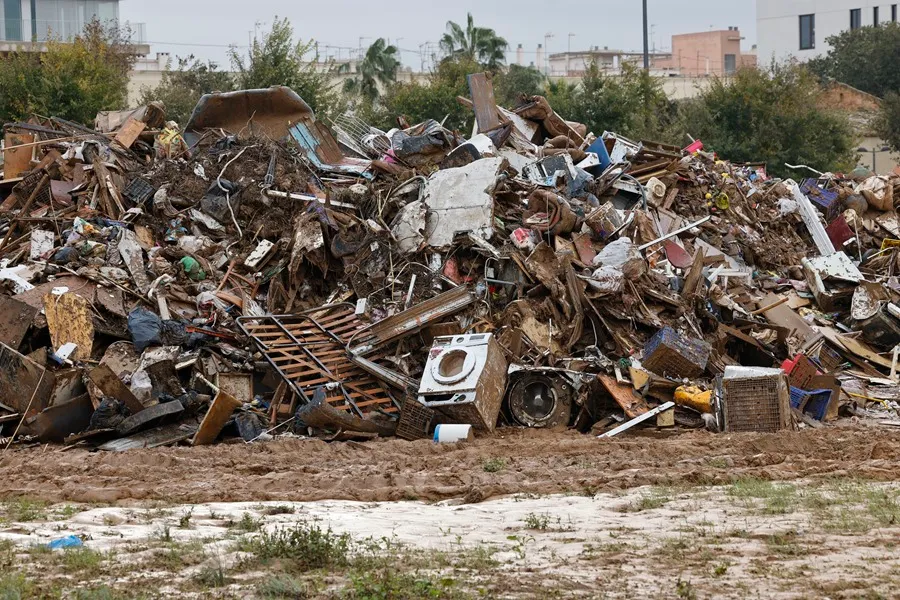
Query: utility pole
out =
(569, 55)
(547, 38)
(646, 40)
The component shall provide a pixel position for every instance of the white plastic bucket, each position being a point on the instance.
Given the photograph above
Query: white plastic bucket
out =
(448, 434)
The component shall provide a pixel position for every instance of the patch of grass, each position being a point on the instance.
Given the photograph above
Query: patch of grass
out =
(775, 498)
(493, 465)
(278, 509)
(785, 544)
(248, 523)
(24, 510)
(718, 462)
(176, 556)
(81, 560)
(392, 584)
(306, 545)
(184, 521)
(684, 590)
(657, 497)
(283, 586)
(103, 593)
(212, 576)
(535, 521)
(15, 586)
(68, 511)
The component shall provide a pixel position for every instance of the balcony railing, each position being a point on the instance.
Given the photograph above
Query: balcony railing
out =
(41, 31)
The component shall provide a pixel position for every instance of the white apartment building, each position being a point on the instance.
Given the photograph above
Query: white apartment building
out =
(800, 28)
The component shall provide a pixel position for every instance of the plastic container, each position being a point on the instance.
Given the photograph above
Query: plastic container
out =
(450, 434)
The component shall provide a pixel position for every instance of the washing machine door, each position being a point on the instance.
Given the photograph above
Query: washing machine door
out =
(453, 366)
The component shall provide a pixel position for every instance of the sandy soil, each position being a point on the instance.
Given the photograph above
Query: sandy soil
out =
(513, 462)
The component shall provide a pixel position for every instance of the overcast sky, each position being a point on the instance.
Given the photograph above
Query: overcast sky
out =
(205, 28)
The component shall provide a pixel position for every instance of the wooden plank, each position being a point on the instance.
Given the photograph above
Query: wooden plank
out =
(110, 384)
(130, 131)
(221, 409)
(17, 161)
(69, 320)
(624, 395)
(482, 91)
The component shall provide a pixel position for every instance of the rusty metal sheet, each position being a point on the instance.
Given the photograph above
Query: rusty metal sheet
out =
(15, 319)
(53, 424)
(153, 438)
(482, 89)
(149, 416)
(248, 112)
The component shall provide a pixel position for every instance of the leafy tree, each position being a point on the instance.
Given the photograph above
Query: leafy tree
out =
(181, 88)
(20, 80)
(515, 81)
(865, 58)
(770, 116)
(889, 120)
(561, 96)
(475, 44)
(277, 60)
(632, 103)
(71, 80)
(378, 67)
(435, 99)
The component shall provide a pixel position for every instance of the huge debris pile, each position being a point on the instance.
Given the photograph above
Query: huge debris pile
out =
(261, 273)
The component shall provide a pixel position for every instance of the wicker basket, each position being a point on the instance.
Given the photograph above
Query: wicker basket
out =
(672, 355)
(415, 420)
(756, 400)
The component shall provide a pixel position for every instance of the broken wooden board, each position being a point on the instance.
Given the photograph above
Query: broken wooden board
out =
(860, 349)
(624, 395)
(110, 384)
(130, 131)
(237, 385)
(482, 90)
(17, 161)
(22, 379)
(76, 285)
(783, 316)
(15, 319)
(221, 409)
(69, 320)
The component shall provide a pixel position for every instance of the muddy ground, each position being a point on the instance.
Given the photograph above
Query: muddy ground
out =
(512, 462)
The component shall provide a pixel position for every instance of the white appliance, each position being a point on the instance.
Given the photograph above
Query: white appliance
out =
(465, 379)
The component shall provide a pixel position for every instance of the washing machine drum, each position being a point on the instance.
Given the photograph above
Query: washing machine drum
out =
(453, 366)
(541, 401)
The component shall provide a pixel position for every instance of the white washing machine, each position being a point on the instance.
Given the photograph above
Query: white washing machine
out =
(465, 378)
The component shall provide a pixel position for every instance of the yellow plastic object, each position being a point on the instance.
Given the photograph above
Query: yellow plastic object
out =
(722, 202)
(693, 397)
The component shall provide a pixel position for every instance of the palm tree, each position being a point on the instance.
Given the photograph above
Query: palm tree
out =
(479, 44)
(379, 66)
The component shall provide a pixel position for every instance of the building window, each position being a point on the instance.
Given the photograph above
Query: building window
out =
(807, 32)
(875, 16)
(730, 63)
(12, 21)
(855, 19)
